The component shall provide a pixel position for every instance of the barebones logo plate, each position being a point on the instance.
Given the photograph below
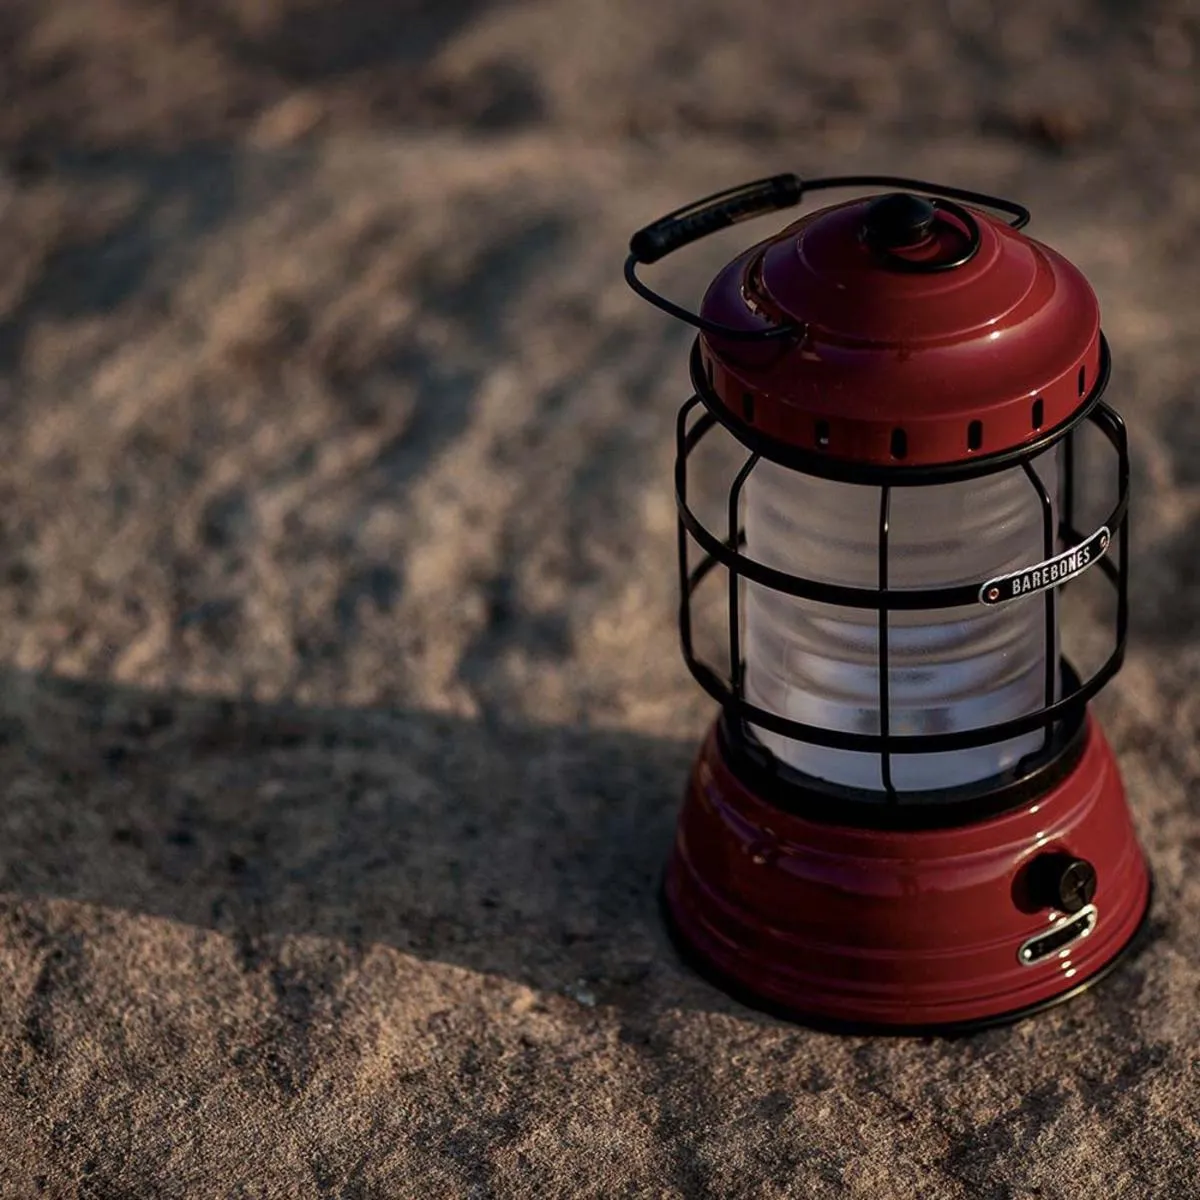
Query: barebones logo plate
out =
(1049, 574)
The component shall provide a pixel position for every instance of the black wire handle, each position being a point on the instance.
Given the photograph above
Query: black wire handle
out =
(749, 200)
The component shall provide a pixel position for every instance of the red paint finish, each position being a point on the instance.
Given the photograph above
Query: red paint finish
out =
(884, 349)
(896, 928)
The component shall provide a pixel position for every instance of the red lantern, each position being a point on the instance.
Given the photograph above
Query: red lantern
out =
(905, 816)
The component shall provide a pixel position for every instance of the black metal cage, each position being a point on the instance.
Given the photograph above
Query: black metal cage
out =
(1061, 719)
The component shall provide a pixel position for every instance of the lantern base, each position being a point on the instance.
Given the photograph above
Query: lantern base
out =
(903, 930)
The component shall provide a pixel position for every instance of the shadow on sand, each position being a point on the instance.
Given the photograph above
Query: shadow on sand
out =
(532, 853)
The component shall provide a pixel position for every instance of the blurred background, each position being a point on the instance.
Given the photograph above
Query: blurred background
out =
(343, 721)
(318, 375)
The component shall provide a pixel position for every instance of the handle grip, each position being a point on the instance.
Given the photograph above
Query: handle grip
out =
(702, 217)
(697, 220)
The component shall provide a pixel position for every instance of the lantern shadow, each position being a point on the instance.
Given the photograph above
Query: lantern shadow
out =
(529, 852)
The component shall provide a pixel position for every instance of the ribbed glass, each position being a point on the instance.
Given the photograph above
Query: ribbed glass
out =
(950, 669)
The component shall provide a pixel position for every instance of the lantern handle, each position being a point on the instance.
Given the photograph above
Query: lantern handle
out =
(756, 199)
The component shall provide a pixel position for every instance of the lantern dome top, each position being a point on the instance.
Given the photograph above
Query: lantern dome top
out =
(909, 332)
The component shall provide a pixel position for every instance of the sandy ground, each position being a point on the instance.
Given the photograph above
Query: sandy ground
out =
(342, 725)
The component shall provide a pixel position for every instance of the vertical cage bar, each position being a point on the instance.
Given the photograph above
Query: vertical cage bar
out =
(735, 633)
(1123, 583)
(681, 457)
(1051, 594)
(885, 754)
(1068, 483)
(1123, 551)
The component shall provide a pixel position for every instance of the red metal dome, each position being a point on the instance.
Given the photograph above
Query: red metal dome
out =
(923, 335)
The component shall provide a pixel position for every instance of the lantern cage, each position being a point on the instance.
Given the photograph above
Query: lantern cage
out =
(1066, 695)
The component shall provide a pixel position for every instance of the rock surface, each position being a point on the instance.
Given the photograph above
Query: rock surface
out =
(342, 724)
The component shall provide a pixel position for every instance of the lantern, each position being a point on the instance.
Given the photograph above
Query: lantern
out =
(905, 816)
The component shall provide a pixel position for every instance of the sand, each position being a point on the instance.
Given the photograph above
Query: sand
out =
(342, 723)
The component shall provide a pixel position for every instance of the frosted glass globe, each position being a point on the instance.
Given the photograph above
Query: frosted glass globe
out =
(950, 669)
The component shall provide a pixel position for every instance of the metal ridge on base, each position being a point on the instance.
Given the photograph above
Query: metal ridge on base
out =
(1138, 942)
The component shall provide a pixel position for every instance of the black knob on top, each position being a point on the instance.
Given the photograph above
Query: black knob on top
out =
(897, 220)
(1062, 881)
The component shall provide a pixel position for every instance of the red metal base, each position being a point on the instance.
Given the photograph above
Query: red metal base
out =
(897, 929)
